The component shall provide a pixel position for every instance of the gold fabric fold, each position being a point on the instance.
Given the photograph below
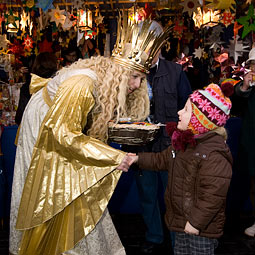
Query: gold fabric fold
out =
(71, 176)
(37, 83)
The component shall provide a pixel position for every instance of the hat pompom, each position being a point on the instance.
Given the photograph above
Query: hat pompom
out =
(171, 127)
(227, 89)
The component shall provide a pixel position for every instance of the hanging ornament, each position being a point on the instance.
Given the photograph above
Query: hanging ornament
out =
(185, 62)
(78, 4)
(248, 21)
(199, 53)
(206, 17)
(99, 19)
(57, 16)
(16, 48)
(45, 46)
(236, 28)
(68, 23)
(236, 48)
(227, 18)
(28, 43)
(4, 42)
(11, 19)
(45, 5)
(222, 4)
(190, 6)
(23, 21)
(178, 29)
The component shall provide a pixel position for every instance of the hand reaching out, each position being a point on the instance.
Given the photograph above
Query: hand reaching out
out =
(127, 161)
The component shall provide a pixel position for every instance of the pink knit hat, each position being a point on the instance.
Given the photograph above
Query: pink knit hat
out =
(210, 107)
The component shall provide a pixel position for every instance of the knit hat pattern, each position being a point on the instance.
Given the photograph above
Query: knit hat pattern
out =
(210, 109)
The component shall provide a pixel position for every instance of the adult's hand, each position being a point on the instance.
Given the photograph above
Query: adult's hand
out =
(127, 161)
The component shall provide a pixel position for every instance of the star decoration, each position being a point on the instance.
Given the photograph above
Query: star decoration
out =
(99, 19)
(57, 16)
(178, 29)
(248, 22)
(185, 62)
(45, 5)
(227, 18)
(190, 6)
(16, 48)
(248, 2)
(236, 48)
(45, 46)
(11, 19)
(4, 42)
(78, 4)
(236, 28)
(23, 21)
(199, 53)
(68, 23)
(222, 4)
(28, 43)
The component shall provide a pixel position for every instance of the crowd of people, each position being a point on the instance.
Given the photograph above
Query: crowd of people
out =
(65, 172)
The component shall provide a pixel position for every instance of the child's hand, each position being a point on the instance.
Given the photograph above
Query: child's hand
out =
(189, 229)
(127, 161)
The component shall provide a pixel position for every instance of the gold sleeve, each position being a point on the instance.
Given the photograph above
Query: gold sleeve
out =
(71, 176)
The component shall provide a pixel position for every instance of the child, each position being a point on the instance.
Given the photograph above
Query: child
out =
(199, 167)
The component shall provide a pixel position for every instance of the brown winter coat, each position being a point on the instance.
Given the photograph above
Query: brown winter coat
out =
(198, 181)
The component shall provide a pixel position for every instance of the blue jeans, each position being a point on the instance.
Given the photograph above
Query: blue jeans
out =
(148, 188)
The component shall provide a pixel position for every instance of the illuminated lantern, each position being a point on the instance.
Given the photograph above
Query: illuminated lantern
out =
(85, 20)
(208, 18)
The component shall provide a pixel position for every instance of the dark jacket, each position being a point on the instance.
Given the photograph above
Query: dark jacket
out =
(171, 89)
(198, 181)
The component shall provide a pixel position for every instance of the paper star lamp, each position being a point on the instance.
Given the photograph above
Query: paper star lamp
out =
(236, 48)
(78, 4)
(199, 53)
(45, 46)
(4, 42)
(190, 6)
(28, 43)
(221, 4)
(248, 21)
(23, 21)
(45, 4)
(99, 19)
(227, 18)
(68, 23)
(57, 16)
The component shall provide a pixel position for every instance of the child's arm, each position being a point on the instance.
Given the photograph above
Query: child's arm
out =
(155, 161)
(214, 177)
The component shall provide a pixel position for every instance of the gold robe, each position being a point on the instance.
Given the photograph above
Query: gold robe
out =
(71, 176)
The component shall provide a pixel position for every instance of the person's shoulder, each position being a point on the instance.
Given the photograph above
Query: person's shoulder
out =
(171, 65)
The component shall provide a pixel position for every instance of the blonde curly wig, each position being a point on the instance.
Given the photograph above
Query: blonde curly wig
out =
(112, 101)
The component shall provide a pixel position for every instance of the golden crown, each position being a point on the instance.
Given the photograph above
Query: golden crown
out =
(137, 45)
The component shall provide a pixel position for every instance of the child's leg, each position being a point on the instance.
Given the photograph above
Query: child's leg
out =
(181, 244)
(202, 245)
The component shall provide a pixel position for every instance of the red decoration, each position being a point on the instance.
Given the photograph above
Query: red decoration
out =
(28, 43)
(45, 46)
(16, 48)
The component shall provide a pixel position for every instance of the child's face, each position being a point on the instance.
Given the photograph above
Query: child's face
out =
(184, 116)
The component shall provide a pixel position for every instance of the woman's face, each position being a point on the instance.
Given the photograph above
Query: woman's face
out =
(135, 81)
(184, 116)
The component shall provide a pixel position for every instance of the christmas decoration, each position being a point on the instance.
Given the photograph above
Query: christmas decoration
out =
(68, 23)
(236, 28)
(185, 62)
(99, 19)
(4, 42)
(190, 6)
(45, 46)
(199, 53)
(248, 22)
(57, 16)
(16, 48)
(78, 4)
(227, 18)
(221, 4)
(236, 48)
(23, 21)
(11, 19)
(28, 43)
